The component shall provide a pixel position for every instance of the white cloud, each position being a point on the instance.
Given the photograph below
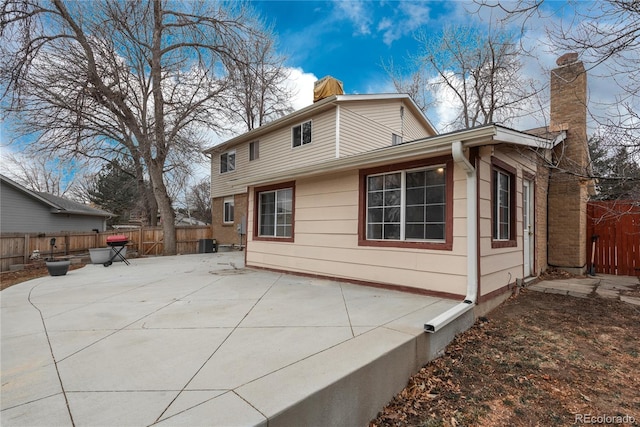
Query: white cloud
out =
(357, 13)
(407, 17)
(301, 84)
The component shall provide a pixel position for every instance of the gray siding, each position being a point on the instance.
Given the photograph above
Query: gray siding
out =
(20, 213)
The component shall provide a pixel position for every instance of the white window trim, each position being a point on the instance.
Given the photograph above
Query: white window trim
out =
(275, 226)
(302, 144)
(226, 201)
(496, 206)
(234, 161)
(403, 205)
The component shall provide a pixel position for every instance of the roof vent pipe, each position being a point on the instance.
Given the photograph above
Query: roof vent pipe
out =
(472, 246)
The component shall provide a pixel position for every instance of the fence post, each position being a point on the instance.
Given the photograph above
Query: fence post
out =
(26, 252)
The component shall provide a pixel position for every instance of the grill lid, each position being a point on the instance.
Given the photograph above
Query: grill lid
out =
(118, 238)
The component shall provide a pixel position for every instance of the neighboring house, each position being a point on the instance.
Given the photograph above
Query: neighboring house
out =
(26, 211)
(361, 188)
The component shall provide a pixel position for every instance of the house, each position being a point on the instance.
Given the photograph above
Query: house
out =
(361, 188)
(26, 211)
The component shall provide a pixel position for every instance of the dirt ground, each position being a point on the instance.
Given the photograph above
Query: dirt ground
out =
(31, 271)
(537, 360)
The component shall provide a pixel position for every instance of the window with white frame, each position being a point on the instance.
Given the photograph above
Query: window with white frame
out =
(301, 134)
(228, 161)
(228, 207)
(275, 213)
(408, 205)
(502, 205)
(254, 150)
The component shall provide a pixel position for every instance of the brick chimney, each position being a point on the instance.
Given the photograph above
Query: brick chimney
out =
(568, 186)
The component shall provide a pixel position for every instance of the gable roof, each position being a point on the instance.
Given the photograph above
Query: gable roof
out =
(58, 205)
(316, 108)
(431, 146)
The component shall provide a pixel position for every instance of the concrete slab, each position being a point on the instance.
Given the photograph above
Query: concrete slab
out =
(48, 411)
(225, 410)
(198, 340)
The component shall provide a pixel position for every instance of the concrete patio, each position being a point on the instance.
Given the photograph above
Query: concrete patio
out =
(199, 340)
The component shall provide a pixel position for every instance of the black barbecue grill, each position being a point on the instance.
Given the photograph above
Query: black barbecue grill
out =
(117, 243)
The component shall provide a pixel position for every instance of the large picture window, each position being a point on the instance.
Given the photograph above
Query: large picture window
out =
(407, 205)
(301, 134)
(275, 213)
(503, 208)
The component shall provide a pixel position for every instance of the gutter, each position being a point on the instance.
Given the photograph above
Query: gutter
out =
(469, 302)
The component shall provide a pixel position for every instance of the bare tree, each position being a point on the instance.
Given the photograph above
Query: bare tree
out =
(477, 71)
(481, 69)
(40, 173)
(416, 84)
(258, 76)
(137, 79)
(606, 35)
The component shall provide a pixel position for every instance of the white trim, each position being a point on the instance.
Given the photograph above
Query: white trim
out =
(337, 131)
(231, 201)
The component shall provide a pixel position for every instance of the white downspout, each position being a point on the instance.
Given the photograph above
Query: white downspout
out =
(472, 246)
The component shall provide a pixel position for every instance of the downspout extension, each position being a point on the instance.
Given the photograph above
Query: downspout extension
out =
(472, 244)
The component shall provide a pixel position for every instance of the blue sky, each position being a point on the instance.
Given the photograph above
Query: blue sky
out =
(350, 39)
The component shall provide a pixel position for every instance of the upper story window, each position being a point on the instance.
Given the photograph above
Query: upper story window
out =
(228, 161)
(301, 134)
(254, 150)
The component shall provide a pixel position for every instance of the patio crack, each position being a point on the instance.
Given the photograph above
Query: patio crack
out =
(53, 357)
(218, 348)
(346, 309)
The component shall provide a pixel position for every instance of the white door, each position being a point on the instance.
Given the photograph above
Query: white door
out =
(528, 219)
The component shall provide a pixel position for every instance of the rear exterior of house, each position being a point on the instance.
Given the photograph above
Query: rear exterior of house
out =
(361, 189)
(400, 219)
(335, 127)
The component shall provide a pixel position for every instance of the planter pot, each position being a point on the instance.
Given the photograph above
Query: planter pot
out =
(100, 255)
(58, 268)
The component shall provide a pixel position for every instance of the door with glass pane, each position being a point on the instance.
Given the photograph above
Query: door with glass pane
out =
(528, 219)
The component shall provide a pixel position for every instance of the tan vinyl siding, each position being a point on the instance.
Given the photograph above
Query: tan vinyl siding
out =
(501, 266)
(414, 128)
(326, 242)
(277, 154)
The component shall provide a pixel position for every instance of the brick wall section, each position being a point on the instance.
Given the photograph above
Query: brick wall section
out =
(542, 184)
(568, 191)
(227, 234)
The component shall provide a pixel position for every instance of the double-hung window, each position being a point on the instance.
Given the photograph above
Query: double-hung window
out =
(228, 161)
(254, 150)
(503, 213)
(301, 134)
(275, 213)
(407, 205)
(228, 207)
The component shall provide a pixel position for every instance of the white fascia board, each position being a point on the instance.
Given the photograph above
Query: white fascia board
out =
(511, 136)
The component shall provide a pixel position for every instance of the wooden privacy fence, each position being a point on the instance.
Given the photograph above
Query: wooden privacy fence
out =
(17, 248)
(616, 224)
